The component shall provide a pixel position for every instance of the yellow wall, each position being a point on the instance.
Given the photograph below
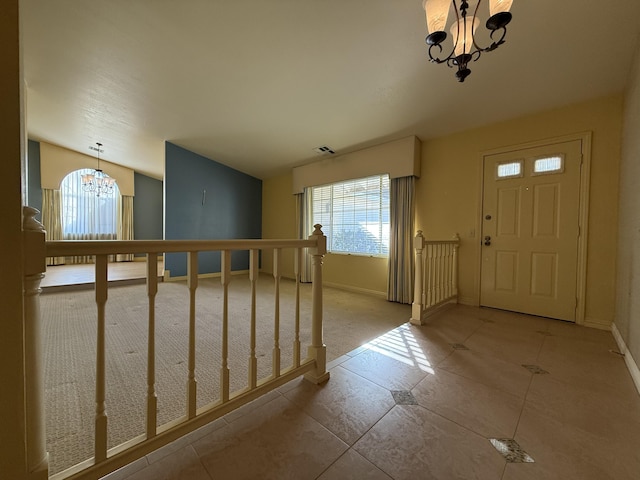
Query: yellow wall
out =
(57, 162)
(356, 272)
(628, 285)
(278, 220)
(448, 201)
(451, 173)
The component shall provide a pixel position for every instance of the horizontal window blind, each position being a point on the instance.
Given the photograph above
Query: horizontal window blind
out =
(354, 215)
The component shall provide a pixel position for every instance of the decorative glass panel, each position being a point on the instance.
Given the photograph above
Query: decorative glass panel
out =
(548, 164)
(511, 169)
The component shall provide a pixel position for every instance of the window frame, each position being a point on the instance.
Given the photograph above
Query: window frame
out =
(509, 162)
(548, 172)
(379, 209)
(75, 191)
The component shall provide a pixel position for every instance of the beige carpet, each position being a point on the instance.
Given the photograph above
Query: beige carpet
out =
(69, 332)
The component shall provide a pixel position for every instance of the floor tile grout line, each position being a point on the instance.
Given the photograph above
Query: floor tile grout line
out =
(363, 434)
(524, 400)
(482, 383)
(504, 470)
(455, 422)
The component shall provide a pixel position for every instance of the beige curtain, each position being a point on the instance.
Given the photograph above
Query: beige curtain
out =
(125, 225)
(52, 219)
(401, 268)
(303, 206)
(79, 259)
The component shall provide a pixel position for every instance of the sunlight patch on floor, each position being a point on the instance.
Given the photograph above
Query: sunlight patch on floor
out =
(401, 345)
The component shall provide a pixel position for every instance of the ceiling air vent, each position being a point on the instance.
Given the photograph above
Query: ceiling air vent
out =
(324, 150)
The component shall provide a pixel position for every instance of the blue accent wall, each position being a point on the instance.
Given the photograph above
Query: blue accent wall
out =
(34, 186)
(231, 208)
(147, 208)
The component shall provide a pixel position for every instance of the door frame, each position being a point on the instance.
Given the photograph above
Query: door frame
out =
(583, 210)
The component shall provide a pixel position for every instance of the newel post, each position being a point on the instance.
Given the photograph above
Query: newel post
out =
(417, 305)
(317, 349)
(34, 268)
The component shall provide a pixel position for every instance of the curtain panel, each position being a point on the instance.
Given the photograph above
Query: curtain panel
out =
(52, 220)
(303, 207)
(401, 267)
(125, 225)
(79, 259)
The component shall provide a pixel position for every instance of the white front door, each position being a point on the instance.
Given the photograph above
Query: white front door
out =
(530, 230)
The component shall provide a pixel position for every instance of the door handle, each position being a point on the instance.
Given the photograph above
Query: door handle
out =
(487, 240)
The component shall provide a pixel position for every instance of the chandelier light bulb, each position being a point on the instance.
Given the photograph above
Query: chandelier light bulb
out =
(464, 30)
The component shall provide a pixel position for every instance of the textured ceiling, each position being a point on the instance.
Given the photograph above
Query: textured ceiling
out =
(257, 84)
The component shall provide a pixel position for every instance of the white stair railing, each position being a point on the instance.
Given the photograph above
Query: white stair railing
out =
(313, 367)
(436, 276)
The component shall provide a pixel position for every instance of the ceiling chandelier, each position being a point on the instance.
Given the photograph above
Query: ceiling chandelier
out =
(98, 181)
(464, 49)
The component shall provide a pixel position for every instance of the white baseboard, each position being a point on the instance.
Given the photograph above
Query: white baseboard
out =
(632, 365)
(595, 323)
(349, 288)
(169, 278)
(437, 309)
(469, 301)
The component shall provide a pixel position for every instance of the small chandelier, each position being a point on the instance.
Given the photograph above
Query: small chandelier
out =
(463, 30)
(98, 181)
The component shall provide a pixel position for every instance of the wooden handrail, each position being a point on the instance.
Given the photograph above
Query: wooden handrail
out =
(313, 367)
(62, 248)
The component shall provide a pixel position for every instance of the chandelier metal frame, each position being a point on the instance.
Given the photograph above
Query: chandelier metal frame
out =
(98, 181)
(496, 24)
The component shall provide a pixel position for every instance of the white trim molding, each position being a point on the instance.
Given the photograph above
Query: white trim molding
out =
(632, 365)
(349, 288)
(398, 158)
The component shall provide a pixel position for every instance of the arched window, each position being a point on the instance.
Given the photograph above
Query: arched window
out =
(86, 216)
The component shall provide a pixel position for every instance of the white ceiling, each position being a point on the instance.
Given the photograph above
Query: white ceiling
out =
(257, 84)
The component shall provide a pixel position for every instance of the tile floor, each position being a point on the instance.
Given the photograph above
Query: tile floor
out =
(434, 402)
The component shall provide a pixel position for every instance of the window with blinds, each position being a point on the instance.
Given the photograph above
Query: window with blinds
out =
(354, 215)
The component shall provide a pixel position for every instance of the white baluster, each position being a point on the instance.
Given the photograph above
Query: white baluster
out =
(434, 282)
(192, 284)
(317, 350)
(418, 293)
(253, 278)
(437, 271)
(101, 410)
(455, 265)
(276, 316)
(152, 397)
(224, 369)
(296, 340)
(431, 276)
(447, 271)
(34, 265)
(441, 269)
